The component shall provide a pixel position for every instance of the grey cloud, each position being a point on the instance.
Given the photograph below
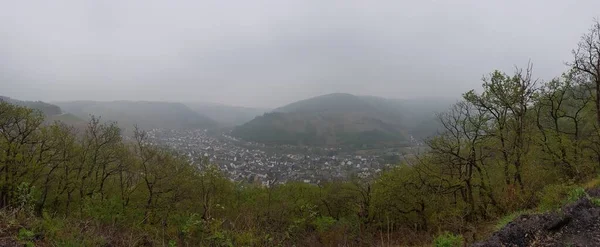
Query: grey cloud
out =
(268, 53)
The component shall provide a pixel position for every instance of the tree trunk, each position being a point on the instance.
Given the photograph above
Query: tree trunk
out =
(598, 103)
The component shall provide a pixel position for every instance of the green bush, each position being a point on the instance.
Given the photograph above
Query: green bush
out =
(48, 226)
(106, 211)
(575, 194)
(448, 240)
(25, 197)
(25, 234)
(556, 195)
(323, 224)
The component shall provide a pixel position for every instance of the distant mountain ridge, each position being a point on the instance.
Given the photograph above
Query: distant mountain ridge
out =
(335, 102)
(51, 112)
(226, 114)
(341, 119)
(145, 114)
(46, 108)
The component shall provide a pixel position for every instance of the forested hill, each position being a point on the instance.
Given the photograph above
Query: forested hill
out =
(45, 108)
(343, 119)
(146, 114)
(335, 102)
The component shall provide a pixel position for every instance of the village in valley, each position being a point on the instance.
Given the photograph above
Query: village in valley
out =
(267, 165)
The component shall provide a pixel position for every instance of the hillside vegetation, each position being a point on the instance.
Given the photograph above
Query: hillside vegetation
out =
(51, 112)
(518, 145)
(342, 120)
(45, 108)
(145, 114)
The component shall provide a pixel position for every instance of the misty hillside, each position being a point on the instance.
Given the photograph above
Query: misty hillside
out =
(335, 102)
(418, 116)
(145, 114)
(51, 112)
(225, 114)
(45, 108)
(341, 119)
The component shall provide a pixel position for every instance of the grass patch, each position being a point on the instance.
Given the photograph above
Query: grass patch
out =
(510, 217)
(594, 183)
(575, 194)
(555, 196)
(448, 240)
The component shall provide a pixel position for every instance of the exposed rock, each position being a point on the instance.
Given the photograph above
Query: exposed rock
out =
(577, 224)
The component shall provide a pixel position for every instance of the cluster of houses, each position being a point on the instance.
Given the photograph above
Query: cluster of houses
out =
(257, 163)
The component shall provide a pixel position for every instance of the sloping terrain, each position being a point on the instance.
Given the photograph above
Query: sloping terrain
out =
(576, 224)
(145, 114)
(45, 108)
(335, 102)
(334, 119)
(51, 112)
(342, 119)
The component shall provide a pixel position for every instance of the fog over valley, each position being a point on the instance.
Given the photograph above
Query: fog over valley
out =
(444, 123)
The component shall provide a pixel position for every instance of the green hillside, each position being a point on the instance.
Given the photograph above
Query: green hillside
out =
(340, 119)
(336, 102)
(45, 108)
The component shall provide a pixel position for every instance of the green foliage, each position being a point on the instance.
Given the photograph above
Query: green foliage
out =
(103, 210)
(323, 224)
(25, 198)
(50, 227)
(557, 195)
(191, 224)
(448, 240)
(575, 194)
(25, 234)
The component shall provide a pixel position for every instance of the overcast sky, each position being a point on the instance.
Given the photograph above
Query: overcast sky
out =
(269, 53)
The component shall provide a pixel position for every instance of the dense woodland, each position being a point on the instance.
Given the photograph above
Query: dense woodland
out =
(520, 144)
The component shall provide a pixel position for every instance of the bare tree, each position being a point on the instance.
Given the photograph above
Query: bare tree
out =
(457, 151)
(586, 61)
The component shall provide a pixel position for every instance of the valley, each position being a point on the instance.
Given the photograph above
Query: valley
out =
(300, 123)
(269, 164)
(377, 145)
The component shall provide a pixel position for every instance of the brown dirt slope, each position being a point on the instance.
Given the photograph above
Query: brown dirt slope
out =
(576, 224)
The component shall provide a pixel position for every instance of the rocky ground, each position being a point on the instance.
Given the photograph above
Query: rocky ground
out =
(576, 224)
